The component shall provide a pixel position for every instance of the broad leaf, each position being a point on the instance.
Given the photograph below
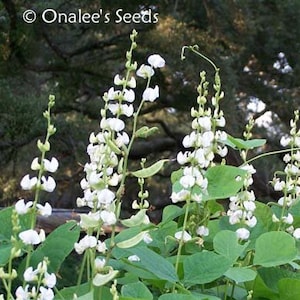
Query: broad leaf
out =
(204, 267)
(289, 289)
(187, 297)
(155, 264)
(57, 246)
(226, 243)
(274, 248)
(224, 181)
(240, 274)
(136, 290)
(240, 144)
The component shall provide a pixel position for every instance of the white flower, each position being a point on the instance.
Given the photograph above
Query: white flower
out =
(27, 183)
(46, 294)
(112, 94)
(180, 196)
(22, 208)
(99, 263)
(133, 257)
(45, 210)
(243, 233)
(235, 217)
(221, 122)
(279, 185)
(129, 95)
(205, 123)
(251, 222)
(30, 274)
(101, 247)
(50, 280)
(35, 164)
(145, 71)
(108, 217)
(151, 94)
(122, 139)
(182, 158)
(51, 166)
(288, 219)
(105, 196)
(202, 231)
(249, 205)
(31, 237)
(132, 83)
(249, 168)
(118, 80)
(156, 61)
(21, 293)
(207, 138)
(296, 233)
(112, 123)
(184, 235)
(86, 242)
(284, 141)
(187, 181)
(48, 184)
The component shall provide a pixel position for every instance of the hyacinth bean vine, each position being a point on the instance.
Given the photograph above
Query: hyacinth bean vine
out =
(198, 250)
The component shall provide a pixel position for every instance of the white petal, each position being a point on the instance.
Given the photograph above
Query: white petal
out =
(183, 235)
(243, 233)
(156, 61)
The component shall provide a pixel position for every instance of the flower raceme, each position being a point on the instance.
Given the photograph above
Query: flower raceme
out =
(205, 141)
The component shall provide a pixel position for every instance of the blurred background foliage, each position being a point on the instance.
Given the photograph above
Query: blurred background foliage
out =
(256, 44)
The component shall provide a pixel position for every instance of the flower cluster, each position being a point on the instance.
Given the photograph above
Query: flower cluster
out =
(290, 185)
(242, 205)
(205, 141)
(43, 283)
(108, 158)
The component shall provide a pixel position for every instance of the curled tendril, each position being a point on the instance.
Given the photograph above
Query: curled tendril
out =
(195, 49)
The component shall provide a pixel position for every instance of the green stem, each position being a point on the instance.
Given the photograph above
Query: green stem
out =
(194, 49)
(181, 241)
(125, 167)
(267, 154)
(82, 267)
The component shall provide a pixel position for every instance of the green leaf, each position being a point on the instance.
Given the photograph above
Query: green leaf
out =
(274, 248)
(271, 276)
(204, 267)
(240, 274)
(171, 212)
(240, 144)
(176, 175)
(261, 291)
(57, 246)
(224, 181)
(68, 293)
(5, 248)
(226, 243)
(289, 289)
(155, 264)
(150, 171)
(87, 296)
(187, 297)
(6, 222)
(136, 290)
